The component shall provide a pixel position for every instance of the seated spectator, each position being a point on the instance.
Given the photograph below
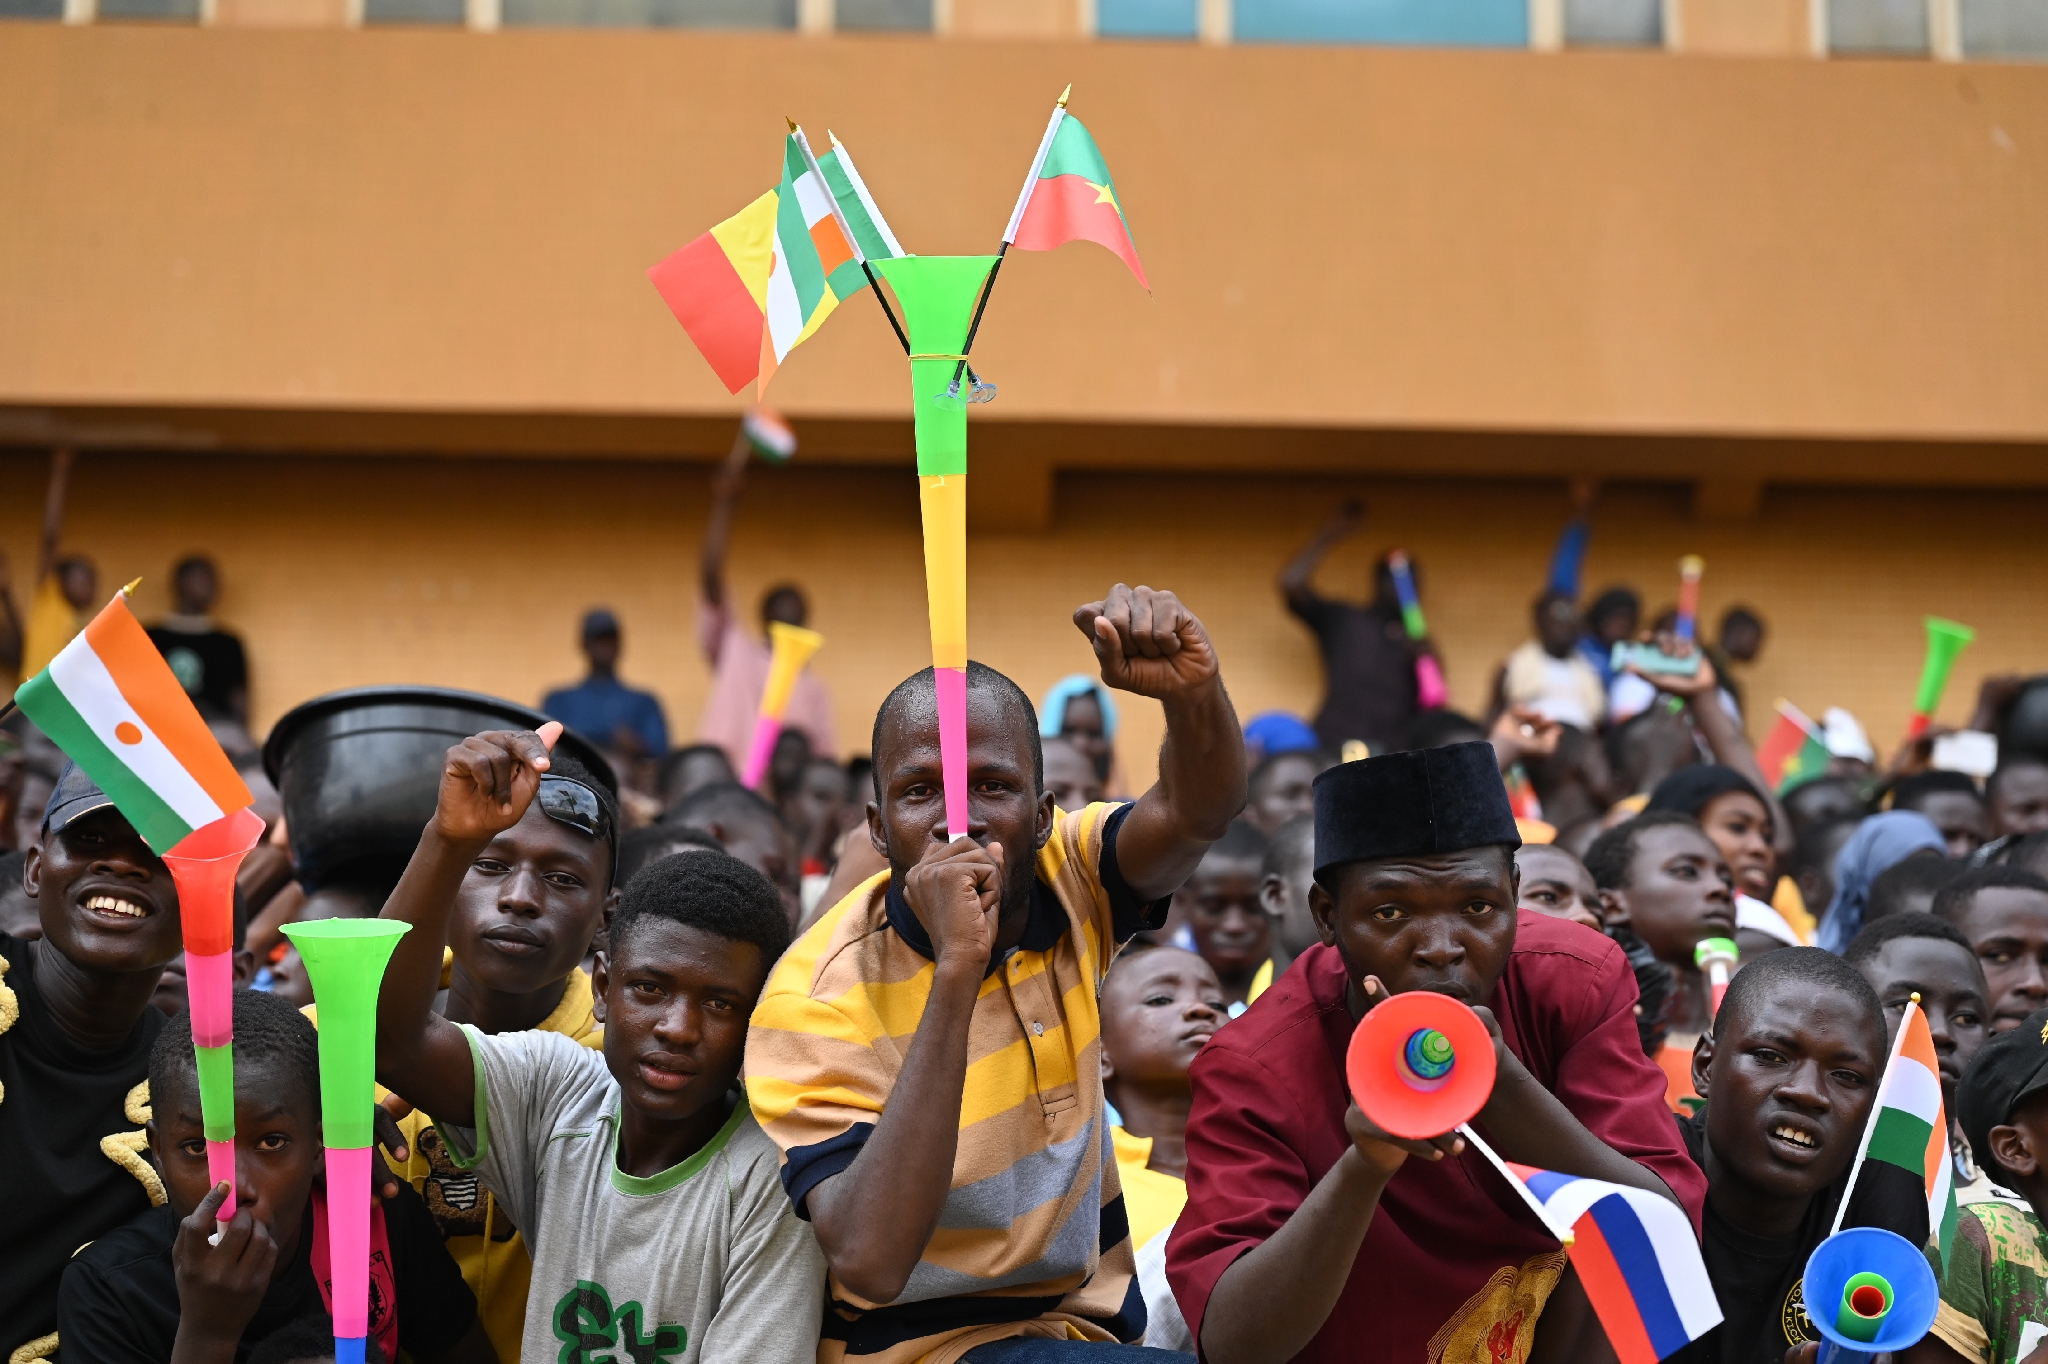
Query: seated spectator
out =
(156, 1290)
(1284, 879)
(624, 722)
(1740, 640)
(1824, 800)
(1070, 776)
(76, 1028)
(1222, 906)
(1612, 618)
(1368, 659)
(748, 827)
(1919, 957)
(1951, 800)
(1159, 1006)
(18, 918)
(207, 660)
(1309, 1233)
(1554, 882)
(631, 1153)
(522, 920)
(1664, 884)
(1743, 823)
(2017, 795)
(1812, 867)
(1280, 788)
(1079, 709)
(2003, 911)
(968, 1209)
(1548, 675)
(1879, 844)
(815, 813)
(687, 771)
(643, 847)
(1909, 887)
(1789, 1074)
(1994, 1288)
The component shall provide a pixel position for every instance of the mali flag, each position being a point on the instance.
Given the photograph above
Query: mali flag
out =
(1069, 196)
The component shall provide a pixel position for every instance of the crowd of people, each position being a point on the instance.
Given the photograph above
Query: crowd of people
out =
(673, 1069)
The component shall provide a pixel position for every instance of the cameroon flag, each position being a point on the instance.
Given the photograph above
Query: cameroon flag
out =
(1070, 197)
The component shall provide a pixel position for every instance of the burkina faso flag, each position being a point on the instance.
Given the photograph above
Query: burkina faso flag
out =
(1071, 197)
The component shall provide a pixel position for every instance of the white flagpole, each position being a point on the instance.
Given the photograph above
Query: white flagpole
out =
(1876, 1104)
(1550, 1223)
(1052, 126)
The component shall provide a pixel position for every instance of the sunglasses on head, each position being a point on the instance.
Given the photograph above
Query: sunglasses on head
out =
(568, 801)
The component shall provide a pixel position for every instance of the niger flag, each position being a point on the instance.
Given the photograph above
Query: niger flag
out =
(1070, 197)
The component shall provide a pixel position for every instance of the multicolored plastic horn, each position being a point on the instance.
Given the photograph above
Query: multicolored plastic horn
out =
(1419, 1064)
(1868, 1291)
(204, 863)
(345, 961)
(938, 295)
(792, 647)
(1430, 691)
(1689, 570)
(1945, 640)
(1717, 957)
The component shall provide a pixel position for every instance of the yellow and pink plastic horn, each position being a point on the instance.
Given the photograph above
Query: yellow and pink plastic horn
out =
(204, 863)
(938, 295)
(345, 961)
(792, 647)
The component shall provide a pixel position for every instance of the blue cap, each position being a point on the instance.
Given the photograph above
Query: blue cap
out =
(1279, 731)
(599, 622)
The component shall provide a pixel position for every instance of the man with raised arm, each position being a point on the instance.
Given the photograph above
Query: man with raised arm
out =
(928, 1056)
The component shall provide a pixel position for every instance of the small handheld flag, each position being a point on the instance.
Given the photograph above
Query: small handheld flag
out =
(1908, 1128)
(113, 705)
(769, 434)
(792, 647)
(1795, 751)
(1069, 196)
(1637, 1259)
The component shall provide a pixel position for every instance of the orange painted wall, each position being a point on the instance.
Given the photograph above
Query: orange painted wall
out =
(445, 221)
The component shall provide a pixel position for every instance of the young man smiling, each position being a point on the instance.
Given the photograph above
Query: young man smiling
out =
(928, 1056)
(646, 1191)
(76, 1028)
(1309, 1233)
(523, 917)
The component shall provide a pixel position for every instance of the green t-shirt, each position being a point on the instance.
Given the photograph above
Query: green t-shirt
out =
(1994, 1299)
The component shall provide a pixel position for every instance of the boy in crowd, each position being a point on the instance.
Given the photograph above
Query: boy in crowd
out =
(1789, 1074)
(1952, 801)
(632, 1152)
(1554, 882)
(748, 827)
(524, 915)
(1070, 776)
(76, 1028)
(1994, 1291)
(1309, 1233)
(1909, 956)
(155, 1290)
(1663, 884)
(1281, 788)
(2017, 795)
(1284, 879)
(1222, 906)
(2003, 912)
(971, 1211)
(1909, 887)
(1159, 1006)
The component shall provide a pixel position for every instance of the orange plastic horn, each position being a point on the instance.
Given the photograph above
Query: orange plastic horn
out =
(1419, 1064)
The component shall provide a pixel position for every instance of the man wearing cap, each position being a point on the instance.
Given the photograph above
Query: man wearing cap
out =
(1309, 1232)
(76, 1028)
(603, 709)
(1994, 1292)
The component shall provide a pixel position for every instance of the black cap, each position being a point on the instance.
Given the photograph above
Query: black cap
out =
(75, 794)
(598, 623)
(2009, 1068)
(1432, 800)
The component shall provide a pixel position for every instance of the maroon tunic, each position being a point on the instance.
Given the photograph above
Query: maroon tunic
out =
(1449, 1266)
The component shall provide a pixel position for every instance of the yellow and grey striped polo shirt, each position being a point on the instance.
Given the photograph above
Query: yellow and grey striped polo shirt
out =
(1033, 1238)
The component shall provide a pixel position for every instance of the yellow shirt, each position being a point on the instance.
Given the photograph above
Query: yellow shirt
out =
(51, 623)
(1787, 900)
(485, 1245)
(1260, 981)
(1152, 1201)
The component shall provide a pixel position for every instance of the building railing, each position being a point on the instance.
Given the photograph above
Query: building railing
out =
(1949, 30)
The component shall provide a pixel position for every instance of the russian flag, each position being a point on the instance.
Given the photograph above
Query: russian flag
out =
(1638, 1259)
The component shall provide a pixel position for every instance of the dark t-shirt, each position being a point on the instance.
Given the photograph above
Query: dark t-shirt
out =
(1369, 676)
(209, 664)
(1756, 1278)
(120, 1298)
(71, 1144)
